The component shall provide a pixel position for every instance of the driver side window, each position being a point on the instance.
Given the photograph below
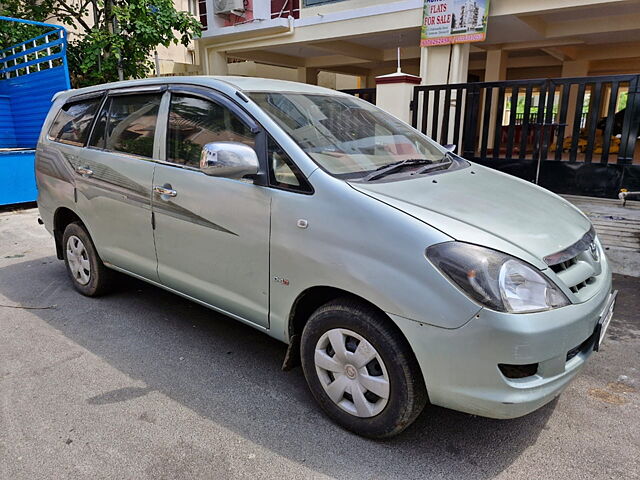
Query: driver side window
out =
(194, 122)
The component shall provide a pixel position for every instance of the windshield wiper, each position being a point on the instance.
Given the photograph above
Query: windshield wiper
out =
(446, 162)
(392, 167)
(436, 166)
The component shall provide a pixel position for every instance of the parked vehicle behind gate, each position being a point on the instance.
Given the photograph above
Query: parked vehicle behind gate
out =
(403, 273)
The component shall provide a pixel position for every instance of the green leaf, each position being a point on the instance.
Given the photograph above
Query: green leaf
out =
(93, 52)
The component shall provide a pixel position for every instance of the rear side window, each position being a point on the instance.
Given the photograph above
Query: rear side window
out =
(73, 122)
(127, 124)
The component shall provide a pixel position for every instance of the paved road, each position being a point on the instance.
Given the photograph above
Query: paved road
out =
(143, 384)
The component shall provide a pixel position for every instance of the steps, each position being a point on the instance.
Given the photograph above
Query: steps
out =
(618, 229)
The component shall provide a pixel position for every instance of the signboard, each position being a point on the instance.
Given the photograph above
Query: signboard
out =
(454, 21)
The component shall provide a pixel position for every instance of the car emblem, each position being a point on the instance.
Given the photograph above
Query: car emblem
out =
(594, 251)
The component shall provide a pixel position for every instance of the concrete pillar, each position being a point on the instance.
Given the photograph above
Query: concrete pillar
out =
(442, 65)
(495, 71)
(434, 70)
(370, 81)
(308, 75)
(434, 64)
(327, 80)
(394, 93)
(216, 62)
(459, 70)
(573, 68)
(458, 73)
(496, 66)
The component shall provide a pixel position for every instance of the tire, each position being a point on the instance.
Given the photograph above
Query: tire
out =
(374, 352)
(88, 274)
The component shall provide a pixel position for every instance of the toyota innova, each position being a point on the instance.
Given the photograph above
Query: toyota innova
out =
(397, 272)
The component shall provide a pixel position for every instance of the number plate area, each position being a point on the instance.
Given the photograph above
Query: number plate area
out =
(605, 320)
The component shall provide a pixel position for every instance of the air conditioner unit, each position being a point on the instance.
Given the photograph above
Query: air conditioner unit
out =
(224, 7)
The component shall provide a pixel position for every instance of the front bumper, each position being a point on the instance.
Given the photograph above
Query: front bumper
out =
(460, 366)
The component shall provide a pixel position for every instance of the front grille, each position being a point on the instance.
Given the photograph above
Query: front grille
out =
(576, 273)
(561, 267)
(578, 265)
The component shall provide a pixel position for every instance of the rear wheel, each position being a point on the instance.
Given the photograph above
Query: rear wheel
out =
(87, 272)
(361, 370)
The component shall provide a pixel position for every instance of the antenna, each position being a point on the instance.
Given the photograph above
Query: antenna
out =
(399, 43)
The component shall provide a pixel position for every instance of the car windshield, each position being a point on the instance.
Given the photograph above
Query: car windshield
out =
(346, 136)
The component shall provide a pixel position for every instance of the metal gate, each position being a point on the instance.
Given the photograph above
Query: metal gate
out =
(368, 94)
(571, 135)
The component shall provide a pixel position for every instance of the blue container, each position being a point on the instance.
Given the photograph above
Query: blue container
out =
(16, 171)
(31, 73)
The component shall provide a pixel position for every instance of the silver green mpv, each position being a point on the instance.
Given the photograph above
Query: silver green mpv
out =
(397, 272)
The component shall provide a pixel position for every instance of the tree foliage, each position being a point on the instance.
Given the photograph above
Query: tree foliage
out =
(124, 34)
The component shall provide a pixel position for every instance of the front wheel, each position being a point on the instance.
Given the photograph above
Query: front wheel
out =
(361, 370)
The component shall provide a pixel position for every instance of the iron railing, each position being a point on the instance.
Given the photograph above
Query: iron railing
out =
(558, 125)
(39, 53)
(285, 8)
(520, 118)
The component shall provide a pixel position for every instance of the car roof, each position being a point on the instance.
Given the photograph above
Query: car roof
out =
(223, 83)
(254, 84)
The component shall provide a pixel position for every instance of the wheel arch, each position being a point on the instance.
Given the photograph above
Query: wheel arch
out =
(62, 217)
(307, 302)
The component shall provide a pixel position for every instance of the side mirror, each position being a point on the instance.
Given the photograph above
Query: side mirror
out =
(450, 147)
(228, 159)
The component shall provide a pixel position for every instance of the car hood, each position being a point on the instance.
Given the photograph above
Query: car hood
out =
(486, 207)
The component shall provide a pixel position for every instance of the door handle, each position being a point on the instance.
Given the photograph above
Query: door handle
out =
(169, 192)
(84, 171)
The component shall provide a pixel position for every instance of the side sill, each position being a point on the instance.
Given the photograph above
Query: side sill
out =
(184, 295)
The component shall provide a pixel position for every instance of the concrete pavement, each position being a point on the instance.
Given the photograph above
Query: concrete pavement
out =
(144, 384)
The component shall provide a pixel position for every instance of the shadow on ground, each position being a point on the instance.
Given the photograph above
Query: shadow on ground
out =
(230, 374)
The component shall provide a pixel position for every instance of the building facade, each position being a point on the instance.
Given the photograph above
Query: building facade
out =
(178, 59)
(357, 38)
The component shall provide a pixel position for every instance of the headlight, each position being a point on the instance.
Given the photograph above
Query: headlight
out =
(495, 279)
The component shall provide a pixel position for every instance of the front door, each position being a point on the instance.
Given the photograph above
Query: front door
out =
(211, 234)
(115, 177)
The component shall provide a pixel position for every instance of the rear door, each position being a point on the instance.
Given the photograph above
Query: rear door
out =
(212, 236)
(115, 177)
